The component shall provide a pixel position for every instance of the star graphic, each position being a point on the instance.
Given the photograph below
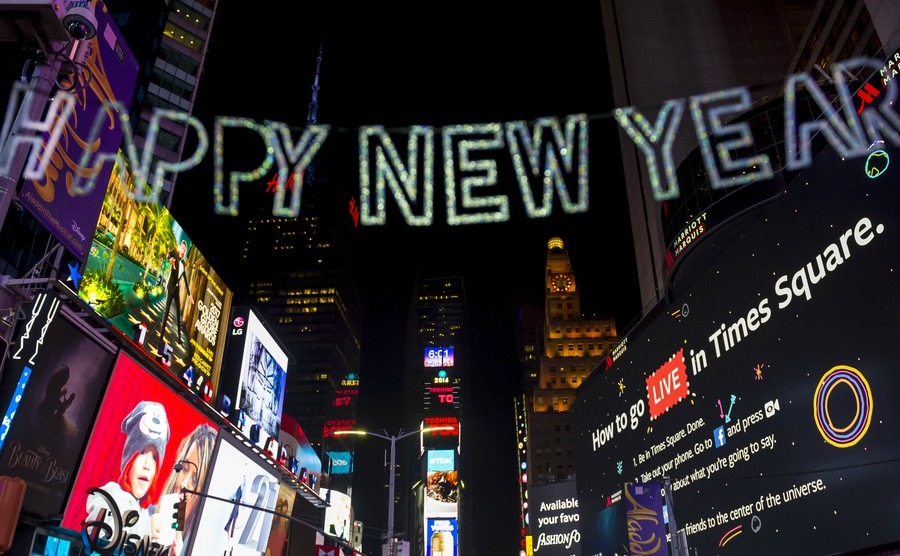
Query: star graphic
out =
(74, 275)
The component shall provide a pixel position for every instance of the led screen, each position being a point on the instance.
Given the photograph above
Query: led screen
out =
(441, 484)
(254, 401)
(305, 457)
(767, 390)
(52, 384)
(225, 527)
(439, 357)
(281, 526)
(340, 463)
(147, 278)
(441, 537)
(338, 515)
(554, 514)
(142, 430)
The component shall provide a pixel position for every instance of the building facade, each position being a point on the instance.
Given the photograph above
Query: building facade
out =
(674, 50)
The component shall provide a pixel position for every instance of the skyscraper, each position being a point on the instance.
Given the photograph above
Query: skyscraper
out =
(170, 41)
(572, 347)
(435, 380)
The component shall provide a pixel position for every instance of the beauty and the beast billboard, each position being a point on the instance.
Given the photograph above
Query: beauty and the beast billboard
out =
(768, 389)
(54, 378)
(147, 278)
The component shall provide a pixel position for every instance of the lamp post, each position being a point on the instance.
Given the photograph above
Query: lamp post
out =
(392, 438)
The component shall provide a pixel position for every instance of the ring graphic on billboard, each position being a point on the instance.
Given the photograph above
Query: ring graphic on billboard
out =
(849, 435)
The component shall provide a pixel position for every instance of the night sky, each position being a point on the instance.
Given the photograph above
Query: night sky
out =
(460, 67)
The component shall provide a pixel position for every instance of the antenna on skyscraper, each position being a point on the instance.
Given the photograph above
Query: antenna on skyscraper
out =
(314, 108)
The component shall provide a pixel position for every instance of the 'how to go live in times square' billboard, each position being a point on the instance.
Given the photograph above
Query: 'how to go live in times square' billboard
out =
(768, 390)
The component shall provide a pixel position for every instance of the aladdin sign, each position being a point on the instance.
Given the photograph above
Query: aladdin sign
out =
(549, 156)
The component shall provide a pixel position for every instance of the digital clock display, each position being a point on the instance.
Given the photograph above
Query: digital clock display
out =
(439, 357)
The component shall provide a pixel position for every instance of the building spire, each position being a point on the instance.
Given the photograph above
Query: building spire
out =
(314, 110)
(314, 103)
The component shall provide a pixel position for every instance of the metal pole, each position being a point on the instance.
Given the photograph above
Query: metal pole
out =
(31, 109)
(393, 440)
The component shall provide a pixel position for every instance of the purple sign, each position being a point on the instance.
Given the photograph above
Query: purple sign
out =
(645, 519)
(109, 74)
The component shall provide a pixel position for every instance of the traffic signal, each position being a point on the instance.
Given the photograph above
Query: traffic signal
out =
(179, 515)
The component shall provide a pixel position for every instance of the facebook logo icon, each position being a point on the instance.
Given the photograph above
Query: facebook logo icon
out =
(719, 436)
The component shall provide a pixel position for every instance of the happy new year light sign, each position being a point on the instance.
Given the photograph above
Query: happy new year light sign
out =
(549, 156)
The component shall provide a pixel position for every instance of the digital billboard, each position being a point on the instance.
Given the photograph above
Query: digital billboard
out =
(301, 458)
(439, 356)
(281, 526)
(442, 393)
(128, 482)
(441, 537)
(340, 463)
(146, 277)
(441, 484)
(253, 379)
(238, 475)
(555, 519)
(108, 72)
(770, 396)
(338, 514)
(52, 383)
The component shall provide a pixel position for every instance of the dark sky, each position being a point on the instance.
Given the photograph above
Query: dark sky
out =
(456, 66)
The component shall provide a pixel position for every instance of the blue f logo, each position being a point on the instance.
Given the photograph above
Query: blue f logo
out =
(719, 436)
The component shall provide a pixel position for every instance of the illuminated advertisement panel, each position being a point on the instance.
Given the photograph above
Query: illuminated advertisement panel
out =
(281, 526)
(442, 392)
(340, 463)
(252, 394)
(439, 356)
(770, 396)
(441, 484)
(143, 429)
(332, 425)
(449, 438)
(555, 520)
(147, 278)
(224, 527)
(113, 70)
(52, 384)
(300, 456)
(338, 515)
(441, 537)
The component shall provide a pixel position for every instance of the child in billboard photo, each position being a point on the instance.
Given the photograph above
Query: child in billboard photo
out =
(177, 278)
(191, 468)
(146, 431)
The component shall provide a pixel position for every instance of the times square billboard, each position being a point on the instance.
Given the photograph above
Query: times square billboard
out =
(128, 482)
(766, 391)
(146, 277)
(52, 199)
(52, 383)
(253, 379)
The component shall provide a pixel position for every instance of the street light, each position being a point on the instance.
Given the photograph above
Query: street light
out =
(392, 438)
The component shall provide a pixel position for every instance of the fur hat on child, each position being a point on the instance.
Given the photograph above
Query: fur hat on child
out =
(146, 425)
